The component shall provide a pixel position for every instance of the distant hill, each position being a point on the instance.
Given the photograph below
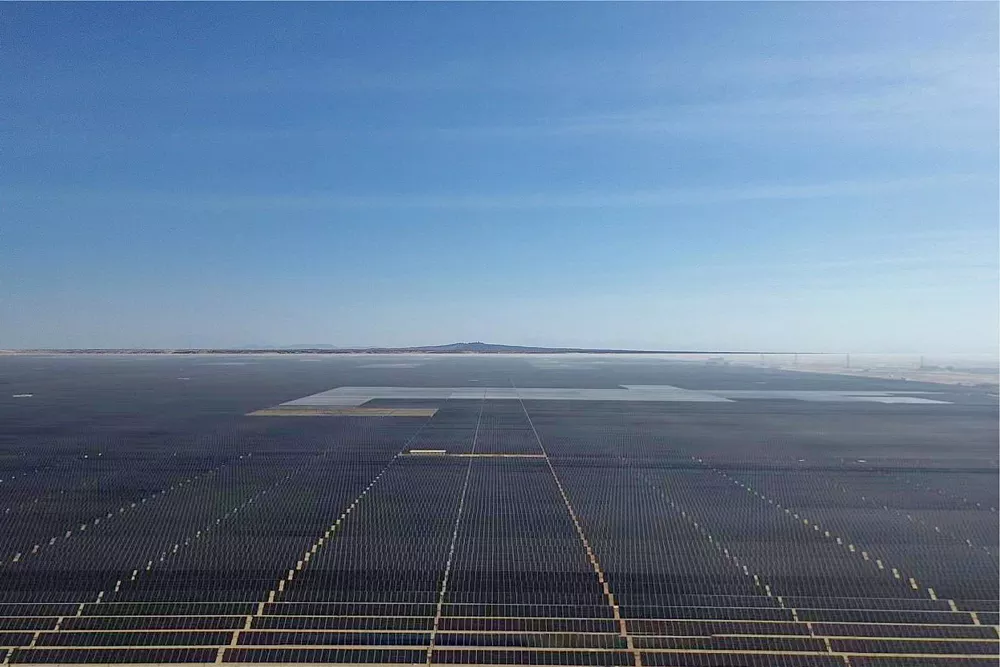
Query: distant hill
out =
(481, 347)
(476, 347)
(315, 346)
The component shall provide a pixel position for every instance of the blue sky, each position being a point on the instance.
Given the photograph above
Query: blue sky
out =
(773, 176)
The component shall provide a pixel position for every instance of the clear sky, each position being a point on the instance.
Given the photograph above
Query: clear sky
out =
(774, 176)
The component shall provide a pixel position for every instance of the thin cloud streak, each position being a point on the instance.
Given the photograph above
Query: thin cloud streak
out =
(638, 73)
(896, 109)
(661, 198)
(961, 261)
(937, 98)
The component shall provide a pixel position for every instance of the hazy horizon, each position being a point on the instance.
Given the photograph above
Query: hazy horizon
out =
(790, 357)
(739, 176)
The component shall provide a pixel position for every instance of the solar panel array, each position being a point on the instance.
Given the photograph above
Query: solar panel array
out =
(500, 532)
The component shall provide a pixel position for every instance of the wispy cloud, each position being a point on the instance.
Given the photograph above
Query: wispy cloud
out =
(899, 109)
(889, 94)
(643, 72)
(943, 97)
(658, 198)
(896, 264)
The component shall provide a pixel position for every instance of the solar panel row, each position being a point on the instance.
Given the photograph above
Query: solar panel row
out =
(319, 543)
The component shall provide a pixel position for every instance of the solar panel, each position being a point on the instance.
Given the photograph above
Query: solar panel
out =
(539, 531)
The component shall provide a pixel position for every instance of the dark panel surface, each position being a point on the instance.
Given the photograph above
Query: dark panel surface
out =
(144, 517)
